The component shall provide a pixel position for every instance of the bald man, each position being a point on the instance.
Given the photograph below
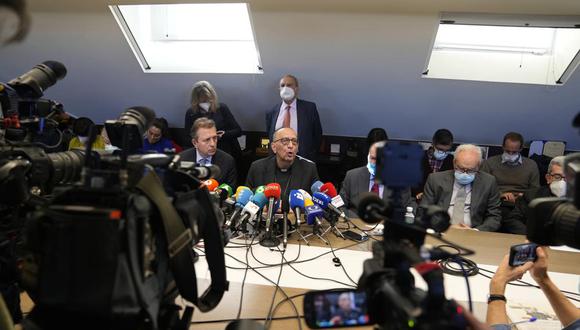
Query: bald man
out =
(300, 115)
(284, 166)
(470, 196)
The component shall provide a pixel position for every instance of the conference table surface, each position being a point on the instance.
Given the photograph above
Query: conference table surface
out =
(489, 247)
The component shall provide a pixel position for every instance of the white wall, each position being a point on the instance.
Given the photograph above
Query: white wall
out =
(363, 70)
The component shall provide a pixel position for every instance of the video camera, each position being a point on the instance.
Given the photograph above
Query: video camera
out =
(556, 221)
(386, 294)
(115, 250)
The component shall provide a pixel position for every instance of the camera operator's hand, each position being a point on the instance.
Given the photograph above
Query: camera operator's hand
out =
(461, 226)
(539, 271)
(505, 274)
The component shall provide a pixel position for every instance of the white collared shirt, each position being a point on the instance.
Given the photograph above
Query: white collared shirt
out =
(199, 157)
(293, 116)
(467, 208)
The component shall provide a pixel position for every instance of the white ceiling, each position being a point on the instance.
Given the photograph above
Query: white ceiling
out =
(551, 7)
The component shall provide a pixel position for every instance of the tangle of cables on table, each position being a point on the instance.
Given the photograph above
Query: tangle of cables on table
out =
(456, 265)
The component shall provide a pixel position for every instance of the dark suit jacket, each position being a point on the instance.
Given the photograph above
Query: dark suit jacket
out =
(357, 181)
(309, 127)
(485, 203)
(516, 221)
(225, 162)
(263, 171)
(447, 165)
(224, 121)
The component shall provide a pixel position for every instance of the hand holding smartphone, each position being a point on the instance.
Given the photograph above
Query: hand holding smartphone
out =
(522, 253)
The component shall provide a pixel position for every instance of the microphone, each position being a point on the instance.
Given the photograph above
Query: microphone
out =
(313, 215)
(305, 194)
(337, 201)
(272, 192)
(259, 189)
(253, 207)
(201, 172)
(296, 202)
(225, 187)
(315, 186)
(325, 202)
(243, 196)
(211, 184)
(372, 209)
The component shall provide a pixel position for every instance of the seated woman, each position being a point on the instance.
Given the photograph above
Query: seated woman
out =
(81, 128)
(155, 140)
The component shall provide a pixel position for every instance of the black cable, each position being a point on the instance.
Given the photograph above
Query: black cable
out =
(319, 278)
(341, 265)
(269, 316)
(280, 318)
(466, 282)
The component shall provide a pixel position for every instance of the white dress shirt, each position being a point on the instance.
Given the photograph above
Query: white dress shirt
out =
(293, 116)
(467, 209)
(199, 157)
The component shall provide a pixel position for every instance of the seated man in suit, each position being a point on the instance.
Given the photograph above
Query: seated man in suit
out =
(514, 173)
(470, 196)
(284, 167)
(437, 158)
(362, 179)
(301, 116)
(205, 151)
(515, 222)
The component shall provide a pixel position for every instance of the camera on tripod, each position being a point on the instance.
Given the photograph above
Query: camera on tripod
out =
(386, 294)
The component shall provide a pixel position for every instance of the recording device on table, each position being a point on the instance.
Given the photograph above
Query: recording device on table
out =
(386, 295)
(113, 247)
(554, 220)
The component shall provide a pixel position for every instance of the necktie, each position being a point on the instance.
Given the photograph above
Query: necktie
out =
(204, 162)
(286, 122)
(459, 207)
(375, 188)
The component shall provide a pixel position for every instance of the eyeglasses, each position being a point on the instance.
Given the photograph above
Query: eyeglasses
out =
(466, 170)
(557, 177)
(286, 141)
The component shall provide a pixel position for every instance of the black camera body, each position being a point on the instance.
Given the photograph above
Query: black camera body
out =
(556, 221)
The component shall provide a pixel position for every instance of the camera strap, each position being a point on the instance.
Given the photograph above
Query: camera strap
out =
(181, 258)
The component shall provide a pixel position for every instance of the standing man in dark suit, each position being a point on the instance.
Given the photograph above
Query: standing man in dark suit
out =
(204, 138)
(437, 158)
(470, 196)
(362, 179)
(301, 116)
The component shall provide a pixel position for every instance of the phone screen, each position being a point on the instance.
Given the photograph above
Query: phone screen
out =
(335, 309)
(522, 253)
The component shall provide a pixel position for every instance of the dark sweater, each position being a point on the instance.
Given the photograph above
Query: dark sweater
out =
(224, 121)
(513, 178)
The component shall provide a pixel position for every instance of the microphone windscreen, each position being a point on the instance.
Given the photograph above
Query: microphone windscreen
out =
(308, 202)
(58, 68)
(312, 212)
(240, 188)
(315, 186)
(329, 189)
(321, 199)
(226, 187)
(260, 199)
(305, 194)
(296, 199)
(211, 184)
(260, 189)
(368, 205)
(243, 197)
(273, 190)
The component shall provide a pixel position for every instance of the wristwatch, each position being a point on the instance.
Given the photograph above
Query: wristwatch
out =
(494, 297)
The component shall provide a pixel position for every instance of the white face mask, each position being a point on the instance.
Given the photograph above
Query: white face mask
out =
(287, 93)
(205, 106)
(558, 188)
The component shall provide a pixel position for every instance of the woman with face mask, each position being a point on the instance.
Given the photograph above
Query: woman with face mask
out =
(204, 103)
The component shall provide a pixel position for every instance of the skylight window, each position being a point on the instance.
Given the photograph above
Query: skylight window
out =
(502, 48)
(209, 38)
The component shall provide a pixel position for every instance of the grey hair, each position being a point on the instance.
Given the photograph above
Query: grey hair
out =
(559, 160)
(468, 148)
(204, 88)
(201, 122)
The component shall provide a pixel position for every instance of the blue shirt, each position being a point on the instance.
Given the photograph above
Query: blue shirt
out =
(159, 146)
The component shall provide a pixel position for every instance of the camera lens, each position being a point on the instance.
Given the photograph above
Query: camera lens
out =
(66, 166)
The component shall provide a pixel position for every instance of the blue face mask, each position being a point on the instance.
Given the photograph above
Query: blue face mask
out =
(371, 167)
(464, 178)
(440, 155)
